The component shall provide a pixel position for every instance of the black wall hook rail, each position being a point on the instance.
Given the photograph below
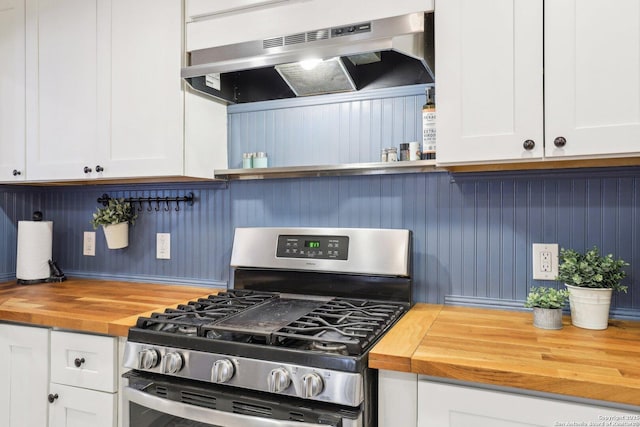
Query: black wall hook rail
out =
(161, 203)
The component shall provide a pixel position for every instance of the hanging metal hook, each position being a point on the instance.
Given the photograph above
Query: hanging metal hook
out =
(139, 205)
(149, 201)
(167, 208)
(157, 205)
(178, 205)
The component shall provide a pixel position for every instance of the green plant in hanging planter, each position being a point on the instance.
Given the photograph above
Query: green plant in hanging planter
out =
(547, 298)
(591, 270)
(116, 211)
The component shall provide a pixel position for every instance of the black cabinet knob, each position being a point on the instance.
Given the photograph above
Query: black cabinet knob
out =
(87, 169)
(560, 141)
(78, 362)
(16, 172)
(52, 397)
(99, 168)
(529, 144)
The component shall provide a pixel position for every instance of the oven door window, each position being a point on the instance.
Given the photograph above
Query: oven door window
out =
(145, 417)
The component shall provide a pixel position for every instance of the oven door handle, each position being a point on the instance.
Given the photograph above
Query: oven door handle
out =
(206, 415)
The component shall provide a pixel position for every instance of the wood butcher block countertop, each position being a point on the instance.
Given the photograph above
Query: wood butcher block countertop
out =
(503, 348)
(98, 306)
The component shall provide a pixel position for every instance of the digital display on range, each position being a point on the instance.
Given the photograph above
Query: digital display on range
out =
(317, 247)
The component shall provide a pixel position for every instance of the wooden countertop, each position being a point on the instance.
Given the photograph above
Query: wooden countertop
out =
(503, 348)
(98, 306)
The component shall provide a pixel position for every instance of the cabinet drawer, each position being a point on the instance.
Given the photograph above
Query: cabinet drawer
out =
(84, 360)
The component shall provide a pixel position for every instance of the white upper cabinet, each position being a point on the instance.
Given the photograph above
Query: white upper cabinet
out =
(145, 101)
(490, 80)
(105, 99)
(489, 93)
(12, 91)
(63, 75)
(592, 78)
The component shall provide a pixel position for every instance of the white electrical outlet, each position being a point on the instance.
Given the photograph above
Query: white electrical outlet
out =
(545, 261)
(163, 245)
(89, 243)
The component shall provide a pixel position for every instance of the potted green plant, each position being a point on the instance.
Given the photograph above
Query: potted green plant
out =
(547, 306)
(591, 279)
(115, 218)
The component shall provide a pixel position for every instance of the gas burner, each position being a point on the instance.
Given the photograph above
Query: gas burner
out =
(326, 347)
(187, 330)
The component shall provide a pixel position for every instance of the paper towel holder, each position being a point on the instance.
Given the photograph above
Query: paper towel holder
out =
(56, 274)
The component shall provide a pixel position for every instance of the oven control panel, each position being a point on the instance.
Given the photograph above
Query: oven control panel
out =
(317, 247)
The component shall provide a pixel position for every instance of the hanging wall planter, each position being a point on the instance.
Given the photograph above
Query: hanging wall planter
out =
(117, 235)
(115, 218)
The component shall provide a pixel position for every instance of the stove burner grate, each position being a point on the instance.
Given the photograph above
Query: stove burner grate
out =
(342, 324)
(188, 319)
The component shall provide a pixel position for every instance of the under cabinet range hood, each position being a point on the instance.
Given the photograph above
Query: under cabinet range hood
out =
(375, 54)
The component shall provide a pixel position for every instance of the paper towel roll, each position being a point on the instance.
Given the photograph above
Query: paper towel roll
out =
(35, 240)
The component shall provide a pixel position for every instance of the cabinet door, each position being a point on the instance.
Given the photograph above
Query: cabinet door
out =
(445, 405)
(24, 376)
(12, 90)
(489, 81)
(76, 407)
(145, 103)
(592, 77)
(62, 86)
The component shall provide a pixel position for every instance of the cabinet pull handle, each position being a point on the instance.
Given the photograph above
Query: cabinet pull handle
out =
(529, 144)
(52, 397)
(16, 172)
(560, 141)
(87, 169)
(78, 362)
(99, 168)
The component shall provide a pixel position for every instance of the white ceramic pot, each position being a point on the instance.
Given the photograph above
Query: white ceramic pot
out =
(547, 318)
(117, 235)
(589, 307)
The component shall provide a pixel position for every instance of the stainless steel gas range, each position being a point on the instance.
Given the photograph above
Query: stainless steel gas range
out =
(287, 347)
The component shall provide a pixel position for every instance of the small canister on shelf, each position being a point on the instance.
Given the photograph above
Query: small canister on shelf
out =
(384, 155)
(414, 151)
(392, 154)
(404, 151)
(247, 160)
(260, 160)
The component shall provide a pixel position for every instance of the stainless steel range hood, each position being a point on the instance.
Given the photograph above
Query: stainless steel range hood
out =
(381, 53)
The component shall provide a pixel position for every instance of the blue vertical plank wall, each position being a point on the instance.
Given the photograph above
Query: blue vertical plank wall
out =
(472, 233)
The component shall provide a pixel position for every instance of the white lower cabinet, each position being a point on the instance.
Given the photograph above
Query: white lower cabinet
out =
(84, 380)
(24, 376)
(80, 407)
(406, 399)
(447, 405)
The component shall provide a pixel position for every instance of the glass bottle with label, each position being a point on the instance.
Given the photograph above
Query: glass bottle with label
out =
(429, 125)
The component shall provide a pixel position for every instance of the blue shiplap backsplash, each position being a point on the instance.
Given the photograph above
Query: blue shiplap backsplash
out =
(472, 233)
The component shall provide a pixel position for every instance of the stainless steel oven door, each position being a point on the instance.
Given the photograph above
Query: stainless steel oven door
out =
(142, 408)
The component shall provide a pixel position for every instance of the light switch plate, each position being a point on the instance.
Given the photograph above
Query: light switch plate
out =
(545, 261)
(89, 243)
(163, 245)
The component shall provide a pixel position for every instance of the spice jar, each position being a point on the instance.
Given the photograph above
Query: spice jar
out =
(404, 151)
(260, 160)
(392, 154)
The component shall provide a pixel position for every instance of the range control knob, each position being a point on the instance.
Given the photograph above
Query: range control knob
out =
(312, 385)
(222, 371)
(279, 380)
(148, 358)
(172, 363)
